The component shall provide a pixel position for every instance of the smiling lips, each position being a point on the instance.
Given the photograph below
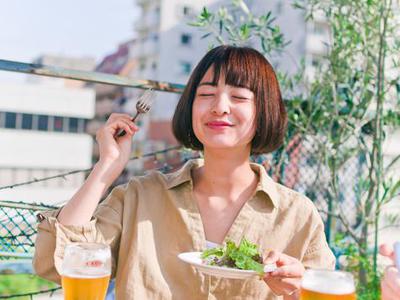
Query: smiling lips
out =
(218, 124)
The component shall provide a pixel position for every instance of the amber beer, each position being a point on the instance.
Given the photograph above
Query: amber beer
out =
(86, 271)
(94, 288)
(327, 285)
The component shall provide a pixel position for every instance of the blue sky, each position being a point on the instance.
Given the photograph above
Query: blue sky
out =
(29, 28)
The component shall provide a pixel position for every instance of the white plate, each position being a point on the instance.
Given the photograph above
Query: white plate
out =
(194, 258)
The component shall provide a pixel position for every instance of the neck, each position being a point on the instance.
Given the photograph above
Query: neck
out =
(225, 172)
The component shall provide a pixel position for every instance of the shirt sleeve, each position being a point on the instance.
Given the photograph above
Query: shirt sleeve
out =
(318, 255)
(52, 236)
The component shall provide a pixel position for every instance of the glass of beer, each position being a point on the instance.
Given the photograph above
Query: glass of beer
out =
(86, 271)
(327, 285)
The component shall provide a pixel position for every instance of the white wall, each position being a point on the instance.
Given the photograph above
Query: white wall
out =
(47, 100)
(34, 149)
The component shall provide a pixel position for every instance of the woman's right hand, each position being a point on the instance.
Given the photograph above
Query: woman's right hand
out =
(114, 150)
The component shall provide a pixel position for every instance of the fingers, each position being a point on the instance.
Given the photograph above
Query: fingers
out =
(117, 116)
(128, 126)
(114, 124)
(387, 292)
(272, 257)
(108, 132)
(287, 277)
(280, 259)
(288, 271)
(391, 280)
(386, 250)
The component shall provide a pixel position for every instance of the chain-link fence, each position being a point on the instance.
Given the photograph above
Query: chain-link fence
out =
(299, 167)
(18, 228)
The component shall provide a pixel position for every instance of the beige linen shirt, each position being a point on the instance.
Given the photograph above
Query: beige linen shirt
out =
(151, 219)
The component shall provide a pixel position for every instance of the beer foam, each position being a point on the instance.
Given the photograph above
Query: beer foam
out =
(328, 283)
(85, 274)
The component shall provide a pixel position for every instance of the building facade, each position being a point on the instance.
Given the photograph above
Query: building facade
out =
(43, 133)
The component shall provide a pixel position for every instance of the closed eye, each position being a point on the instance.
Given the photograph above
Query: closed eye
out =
(206, 95)
(240, 97)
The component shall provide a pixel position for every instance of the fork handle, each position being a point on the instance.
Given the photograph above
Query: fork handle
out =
(122, 132)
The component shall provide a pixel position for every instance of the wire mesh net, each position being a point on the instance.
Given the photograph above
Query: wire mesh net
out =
(299, 167)
(17, 228)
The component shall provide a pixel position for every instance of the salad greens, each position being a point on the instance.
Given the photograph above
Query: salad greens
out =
(245, 256)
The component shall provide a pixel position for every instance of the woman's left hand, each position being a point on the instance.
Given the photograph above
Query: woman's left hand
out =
(285, 280)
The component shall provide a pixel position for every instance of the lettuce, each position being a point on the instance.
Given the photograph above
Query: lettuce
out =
(245, 256)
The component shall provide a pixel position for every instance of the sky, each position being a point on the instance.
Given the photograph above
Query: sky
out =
(30, 28)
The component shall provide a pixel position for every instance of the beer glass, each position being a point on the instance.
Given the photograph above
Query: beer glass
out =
(86, 271)
(327, 285)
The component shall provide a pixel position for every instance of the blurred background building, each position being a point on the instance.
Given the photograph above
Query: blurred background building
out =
(43, 133)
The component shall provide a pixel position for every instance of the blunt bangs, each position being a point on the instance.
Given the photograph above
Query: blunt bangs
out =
(236, 65)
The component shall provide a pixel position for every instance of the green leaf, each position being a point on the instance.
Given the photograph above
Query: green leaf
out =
(206, 35)
(244, 32)
(241, 255)
(205, 14)
(298, 5)
(218, 251)
(248, 248)
(196, 24)
(394, 190)
(242, 5)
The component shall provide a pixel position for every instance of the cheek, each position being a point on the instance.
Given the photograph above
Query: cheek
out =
(249, 116)
(198, 110)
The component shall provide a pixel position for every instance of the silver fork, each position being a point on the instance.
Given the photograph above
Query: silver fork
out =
(143, 105)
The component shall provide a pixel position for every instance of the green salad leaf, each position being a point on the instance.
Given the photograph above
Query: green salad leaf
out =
(246, 256)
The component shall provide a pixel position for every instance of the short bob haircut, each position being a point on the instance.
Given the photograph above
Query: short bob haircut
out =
(242, 67)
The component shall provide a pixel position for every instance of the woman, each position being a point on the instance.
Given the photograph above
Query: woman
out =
(230, 108)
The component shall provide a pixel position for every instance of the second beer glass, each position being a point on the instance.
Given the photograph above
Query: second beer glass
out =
(327, 285)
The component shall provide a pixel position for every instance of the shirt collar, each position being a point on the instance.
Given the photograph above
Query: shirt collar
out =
(265, 185)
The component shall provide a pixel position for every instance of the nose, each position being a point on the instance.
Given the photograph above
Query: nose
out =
(221, 104)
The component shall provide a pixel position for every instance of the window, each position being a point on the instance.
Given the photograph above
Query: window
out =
(35, 122)
(185, 67)
(11, 120)
(155, 37)
(43, 122)
(142, 64)
(157, 12)
(27, 121)
(186, 39)
(186, 10)
(2, 118)
(154, 65)
(58, 124)
(73, 125)
(81, 125)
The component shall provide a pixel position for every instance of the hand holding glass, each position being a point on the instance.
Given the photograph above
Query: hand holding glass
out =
(86, 271)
